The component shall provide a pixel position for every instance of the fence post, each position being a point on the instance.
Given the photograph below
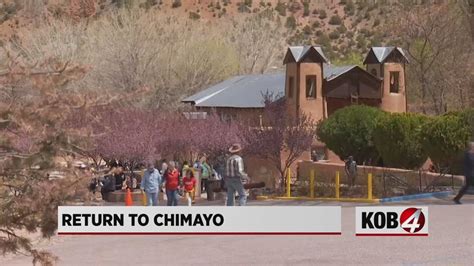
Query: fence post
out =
(369, 186)
(288, 183)
(311, 184)
(337, 184)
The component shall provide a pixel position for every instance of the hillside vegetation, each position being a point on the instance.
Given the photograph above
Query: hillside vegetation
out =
(178, 47)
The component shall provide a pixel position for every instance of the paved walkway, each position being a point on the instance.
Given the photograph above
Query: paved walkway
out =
(451, 241)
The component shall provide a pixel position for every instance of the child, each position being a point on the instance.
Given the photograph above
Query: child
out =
(189, 183)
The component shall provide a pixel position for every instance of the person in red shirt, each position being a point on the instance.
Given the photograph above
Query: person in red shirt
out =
(189, 183)
(172, 184)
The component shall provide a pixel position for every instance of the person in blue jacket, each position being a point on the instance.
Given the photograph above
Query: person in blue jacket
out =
(151, 183)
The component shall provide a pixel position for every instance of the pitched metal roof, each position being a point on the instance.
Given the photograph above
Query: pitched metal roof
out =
(298, 52)
(331, 72)
(381, 53)
(245, 91)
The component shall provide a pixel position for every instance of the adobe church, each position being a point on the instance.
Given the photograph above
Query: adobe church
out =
(311, 85)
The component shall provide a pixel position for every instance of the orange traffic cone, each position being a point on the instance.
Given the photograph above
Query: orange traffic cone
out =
(128, 198)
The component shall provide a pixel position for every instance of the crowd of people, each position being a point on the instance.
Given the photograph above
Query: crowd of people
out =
(178, 180)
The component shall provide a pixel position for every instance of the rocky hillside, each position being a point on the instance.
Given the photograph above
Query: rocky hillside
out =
(344, 27)
(223, 38)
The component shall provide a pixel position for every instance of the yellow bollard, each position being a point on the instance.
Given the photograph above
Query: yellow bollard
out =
(288, 184)
(369, 186)
(337, 184)
(144, 199)
(311, 184)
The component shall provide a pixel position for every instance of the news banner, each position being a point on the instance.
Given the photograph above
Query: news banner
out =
(248, 220)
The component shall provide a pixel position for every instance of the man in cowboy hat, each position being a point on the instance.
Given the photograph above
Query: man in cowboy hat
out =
(234, 173)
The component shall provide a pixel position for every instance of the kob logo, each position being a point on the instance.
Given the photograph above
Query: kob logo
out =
(412, 220)
(391, 221)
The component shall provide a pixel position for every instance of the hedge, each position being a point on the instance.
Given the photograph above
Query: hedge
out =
(400, 140)
(397, 138)
(348, 132)
(445, 139)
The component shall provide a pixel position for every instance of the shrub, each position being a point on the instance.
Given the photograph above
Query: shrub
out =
(376, 22)
(348, 132)
(10, 9)
(307, 30)
(149, 4)
(194, 16)
(444, 139)
(322, 14)
(334, 35)
(397, 138)
(349, 8)
(281, 8)
(361, 4)
(360, 41)
(341, 29)
(291, 22)
(468, 118)
(316, 24)
(243, 8)
(176, 4)
(366, 32)
(323, 40)
(335, 20)
(306, 9)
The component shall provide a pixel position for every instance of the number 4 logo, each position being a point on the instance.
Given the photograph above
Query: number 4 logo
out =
(412, 220)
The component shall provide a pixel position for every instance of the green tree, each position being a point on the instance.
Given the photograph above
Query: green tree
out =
(397, 138)
(444, 139)
(348, 132)
(468, 118)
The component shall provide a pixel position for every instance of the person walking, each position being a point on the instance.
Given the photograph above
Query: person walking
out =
(185, 168)
(119, 177)
(351, 170)
(206, 172)
(172, 184)
(150, 184)
(234, 174)
(189, 184)
(164, 166)
(468, 172)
